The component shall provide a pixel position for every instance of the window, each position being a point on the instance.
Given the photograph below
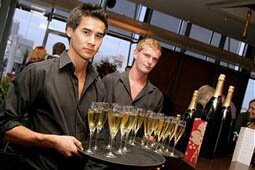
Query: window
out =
(200, 34)
(115, 50)
(196, 55)
(215, 41)
(33, 27)
(57, 25)
(28, 30)
(124, 7)
(164, 21)
(234, 46)
(249, 94)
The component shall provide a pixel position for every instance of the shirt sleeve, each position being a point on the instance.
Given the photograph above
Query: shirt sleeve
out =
(20, 96)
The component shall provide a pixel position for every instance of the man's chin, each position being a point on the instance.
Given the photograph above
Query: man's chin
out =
(87, 58)
(252, 120)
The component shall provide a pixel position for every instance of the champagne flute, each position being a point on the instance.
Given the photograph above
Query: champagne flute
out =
(114, 120)
(161, 123)
(139, 121)
(171, 133)
(131, 111)
(178, 133)
(112, 105)
(148, 126)
(102, 116)
(123, 131)
(163, 134)
(155, 125)
(92, 120)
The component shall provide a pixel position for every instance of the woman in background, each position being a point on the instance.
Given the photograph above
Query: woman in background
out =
(38, 54)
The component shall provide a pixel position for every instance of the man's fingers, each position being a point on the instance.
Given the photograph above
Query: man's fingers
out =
(78, 144)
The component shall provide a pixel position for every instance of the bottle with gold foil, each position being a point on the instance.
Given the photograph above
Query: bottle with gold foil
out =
(188, 116)
(189, 113)
(212, 114)
(226, 125)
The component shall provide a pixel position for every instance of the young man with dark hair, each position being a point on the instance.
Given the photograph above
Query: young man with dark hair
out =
(56, 95)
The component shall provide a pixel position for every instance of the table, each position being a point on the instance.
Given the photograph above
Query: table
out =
(221, 163)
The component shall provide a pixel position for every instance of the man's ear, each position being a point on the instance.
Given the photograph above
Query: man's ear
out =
(69, 32)
(135, 53)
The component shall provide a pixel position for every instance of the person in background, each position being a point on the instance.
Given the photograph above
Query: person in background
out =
(133, 87)
(205, 94)
(246, 119)
(38, 54)
(57, 49)
(57, 94)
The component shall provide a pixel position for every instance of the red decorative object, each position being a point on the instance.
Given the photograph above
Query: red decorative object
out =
(195, 140)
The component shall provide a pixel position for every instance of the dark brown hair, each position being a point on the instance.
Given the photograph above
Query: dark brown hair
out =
(86, 9)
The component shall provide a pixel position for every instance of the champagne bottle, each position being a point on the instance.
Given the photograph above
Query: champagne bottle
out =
(188, 116)
(224, 135)
(212, 114)
(189, 113)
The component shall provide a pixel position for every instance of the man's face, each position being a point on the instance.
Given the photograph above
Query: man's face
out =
(86, 39)
(146, 59)
(251, 111)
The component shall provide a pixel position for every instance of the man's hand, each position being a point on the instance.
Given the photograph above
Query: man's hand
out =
(66, 145)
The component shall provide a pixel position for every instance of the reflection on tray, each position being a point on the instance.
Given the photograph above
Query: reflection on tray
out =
(138, 157)
(177, 153)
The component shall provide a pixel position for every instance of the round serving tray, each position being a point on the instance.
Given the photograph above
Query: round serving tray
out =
(137, 157)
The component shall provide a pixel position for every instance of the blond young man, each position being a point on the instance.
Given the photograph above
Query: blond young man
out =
(133, 87)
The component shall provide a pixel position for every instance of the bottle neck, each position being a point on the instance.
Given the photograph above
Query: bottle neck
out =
(193, 103)
(219, 88)
(229, 97)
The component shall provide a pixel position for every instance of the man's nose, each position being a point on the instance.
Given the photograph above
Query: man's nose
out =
(91, 39)
(150, 60)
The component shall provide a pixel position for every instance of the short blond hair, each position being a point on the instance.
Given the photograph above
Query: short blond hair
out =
(148, 42)
(38, 54)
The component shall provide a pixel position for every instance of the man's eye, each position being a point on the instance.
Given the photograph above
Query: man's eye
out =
(99, 36)
(86, 32)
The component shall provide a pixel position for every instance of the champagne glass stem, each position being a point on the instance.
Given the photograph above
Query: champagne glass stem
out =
(168, 145)
(174, 148)
(133, 141)
(126, 141)
(97, 134)
(89, 151)
(119, 151)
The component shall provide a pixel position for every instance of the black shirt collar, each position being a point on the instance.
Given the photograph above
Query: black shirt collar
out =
(124, 78)
(66, 61)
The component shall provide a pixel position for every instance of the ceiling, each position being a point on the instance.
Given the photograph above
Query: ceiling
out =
(224, 16)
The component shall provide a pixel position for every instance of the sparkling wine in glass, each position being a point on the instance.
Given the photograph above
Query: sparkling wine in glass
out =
(180, 128)
(102, 116)
(131, 111)
(170, 133)
(123, 131)
(114, 120)
(92, 121)
(139, 122)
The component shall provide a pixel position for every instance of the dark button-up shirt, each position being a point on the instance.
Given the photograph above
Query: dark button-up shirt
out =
(118, 91)
(48, 92)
